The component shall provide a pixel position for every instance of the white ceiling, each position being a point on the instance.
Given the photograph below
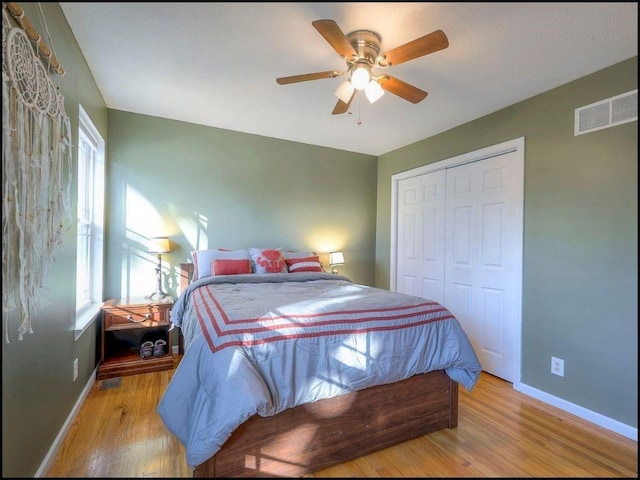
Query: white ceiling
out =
(215, 64)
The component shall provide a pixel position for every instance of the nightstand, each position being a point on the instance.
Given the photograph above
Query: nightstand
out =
(126, 323)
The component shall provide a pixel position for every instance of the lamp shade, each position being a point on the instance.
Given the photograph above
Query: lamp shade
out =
(344, 91)
(159, 245)
(336, 258)
(373, 91)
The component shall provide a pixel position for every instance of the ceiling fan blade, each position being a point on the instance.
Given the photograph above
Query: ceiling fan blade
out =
(336, 38)
(402, 89)
(306, 77)
(431, 42)
(342, 107)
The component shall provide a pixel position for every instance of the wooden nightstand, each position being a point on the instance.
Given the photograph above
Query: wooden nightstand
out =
(126, 323)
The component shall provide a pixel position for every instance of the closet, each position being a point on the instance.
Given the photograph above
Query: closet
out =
(457, 229)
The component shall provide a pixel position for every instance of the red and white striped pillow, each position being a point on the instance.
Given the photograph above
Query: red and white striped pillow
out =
(308, 264)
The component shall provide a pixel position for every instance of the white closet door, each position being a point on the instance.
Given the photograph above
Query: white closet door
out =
(421, 223)
(458, 241)
(481, 238)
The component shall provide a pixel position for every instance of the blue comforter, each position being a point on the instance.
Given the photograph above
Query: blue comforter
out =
(258, 344)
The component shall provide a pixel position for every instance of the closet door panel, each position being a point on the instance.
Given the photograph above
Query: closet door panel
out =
(478, 196)
(421, 247)
(409, 237)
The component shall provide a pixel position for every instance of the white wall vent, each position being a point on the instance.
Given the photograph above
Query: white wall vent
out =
(607, 113)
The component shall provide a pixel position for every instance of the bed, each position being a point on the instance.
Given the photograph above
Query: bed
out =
(284, 374)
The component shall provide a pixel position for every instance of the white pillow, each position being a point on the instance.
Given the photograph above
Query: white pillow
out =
(289, 254)
(202, 260)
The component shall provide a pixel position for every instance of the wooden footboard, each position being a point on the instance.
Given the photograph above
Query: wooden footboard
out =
(314, 436)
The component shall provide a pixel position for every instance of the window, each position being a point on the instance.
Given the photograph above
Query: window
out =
(90, 237)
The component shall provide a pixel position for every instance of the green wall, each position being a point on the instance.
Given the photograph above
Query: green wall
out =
(580, 263)
(202, 185)
(38, 391)
(206, 187)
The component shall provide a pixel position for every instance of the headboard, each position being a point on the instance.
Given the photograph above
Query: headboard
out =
(186, 273)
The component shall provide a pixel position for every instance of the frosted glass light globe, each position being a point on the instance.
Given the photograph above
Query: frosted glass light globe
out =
(374, 91)
(360, 78)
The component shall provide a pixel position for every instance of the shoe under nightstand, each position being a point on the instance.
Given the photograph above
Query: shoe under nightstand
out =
(128, 323)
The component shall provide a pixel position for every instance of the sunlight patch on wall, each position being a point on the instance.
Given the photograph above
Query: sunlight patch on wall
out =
(194, 230)
(141, 217)
(142, 221)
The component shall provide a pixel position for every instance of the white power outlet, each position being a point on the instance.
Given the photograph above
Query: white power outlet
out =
(557, 366)
(75, 369)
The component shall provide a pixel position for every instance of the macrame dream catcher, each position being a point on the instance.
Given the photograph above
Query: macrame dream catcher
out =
(36, 155)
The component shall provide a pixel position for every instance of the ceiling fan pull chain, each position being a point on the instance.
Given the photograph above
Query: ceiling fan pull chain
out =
(359, 104)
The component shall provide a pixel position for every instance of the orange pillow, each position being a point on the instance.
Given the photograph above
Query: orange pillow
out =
(228, 266)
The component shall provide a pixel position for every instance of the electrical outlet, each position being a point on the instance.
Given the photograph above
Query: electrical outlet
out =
(557, 366)
(75, 369)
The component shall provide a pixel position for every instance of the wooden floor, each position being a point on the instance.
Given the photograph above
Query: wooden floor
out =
(501, 433)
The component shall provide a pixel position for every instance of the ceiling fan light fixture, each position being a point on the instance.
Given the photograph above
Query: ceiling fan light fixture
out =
(373, 91)
(344, 91)
(360, 77)
(361, 51)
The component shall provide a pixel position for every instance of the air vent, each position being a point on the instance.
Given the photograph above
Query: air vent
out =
(607, 113)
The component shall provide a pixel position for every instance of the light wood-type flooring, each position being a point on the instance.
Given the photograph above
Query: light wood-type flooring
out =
(501, 433)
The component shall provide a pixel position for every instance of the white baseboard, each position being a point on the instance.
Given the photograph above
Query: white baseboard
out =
(593, 417)
(57, 443)
(175, 349)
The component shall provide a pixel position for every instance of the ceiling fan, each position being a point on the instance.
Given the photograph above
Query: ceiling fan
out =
(361, 50)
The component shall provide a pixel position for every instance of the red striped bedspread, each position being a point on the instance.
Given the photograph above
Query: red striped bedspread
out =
(229, 316)
(264, 343)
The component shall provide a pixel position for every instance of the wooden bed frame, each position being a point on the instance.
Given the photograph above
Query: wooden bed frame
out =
(310, 437)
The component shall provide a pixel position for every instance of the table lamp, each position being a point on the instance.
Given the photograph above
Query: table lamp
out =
(335, 258)
(159, 245)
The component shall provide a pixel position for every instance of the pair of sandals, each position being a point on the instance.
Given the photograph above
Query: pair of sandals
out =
(151, 349)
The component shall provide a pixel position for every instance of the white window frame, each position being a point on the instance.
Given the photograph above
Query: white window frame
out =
(90, 223)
